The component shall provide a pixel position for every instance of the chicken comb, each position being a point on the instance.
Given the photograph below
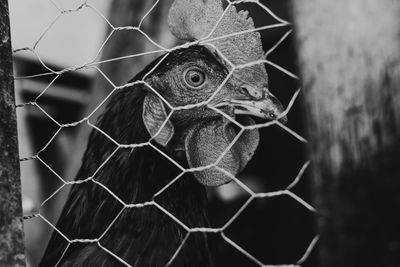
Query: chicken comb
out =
(230, 31)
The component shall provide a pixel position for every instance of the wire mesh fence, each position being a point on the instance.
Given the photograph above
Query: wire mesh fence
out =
(88, 119)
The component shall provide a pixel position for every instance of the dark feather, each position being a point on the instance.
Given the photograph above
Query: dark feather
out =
(140, 236)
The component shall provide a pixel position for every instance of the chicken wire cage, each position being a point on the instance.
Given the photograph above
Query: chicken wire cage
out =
(68, 65)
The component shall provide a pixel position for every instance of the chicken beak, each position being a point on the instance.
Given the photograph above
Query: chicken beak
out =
(258, 103)
(268, 108)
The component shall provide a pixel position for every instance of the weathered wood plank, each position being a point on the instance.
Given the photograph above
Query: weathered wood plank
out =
(11, 233)
(349, 58)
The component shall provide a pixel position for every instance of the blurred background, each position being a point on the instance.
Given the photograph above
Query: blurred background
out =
(275, 230)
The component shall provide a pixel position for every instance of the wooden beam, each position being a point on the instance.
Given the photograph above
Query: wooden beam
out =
(349, 59)
(11, 232)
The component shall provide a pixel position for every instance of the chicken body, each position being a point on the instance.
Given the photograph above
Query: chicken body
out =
(147, 236)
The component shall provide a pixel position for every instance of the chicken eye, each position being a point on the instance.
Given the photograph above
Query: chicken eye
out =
(194, 77)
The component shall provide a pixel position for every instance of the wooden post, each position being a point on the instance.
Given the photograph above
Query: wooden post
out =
(11, 233)
(349, 59)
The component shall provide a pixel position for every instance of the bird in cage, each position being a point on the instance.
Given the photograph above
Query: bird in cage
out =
(192, 105)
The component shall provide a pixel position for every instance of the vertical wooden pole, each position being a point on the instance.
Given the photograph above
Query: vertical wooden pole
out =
(349, 58)
(11, 233)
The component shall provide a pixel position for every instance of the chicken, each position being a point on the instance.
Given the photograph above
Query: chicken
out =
(137, 209)
(147, 236)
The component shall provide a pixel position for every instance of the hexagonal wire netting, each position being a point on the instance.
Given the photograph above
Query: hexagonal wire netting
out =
(94, 63)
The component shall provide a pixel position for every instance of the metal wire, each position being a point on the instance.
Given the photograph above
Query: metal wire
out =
(207, 41)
